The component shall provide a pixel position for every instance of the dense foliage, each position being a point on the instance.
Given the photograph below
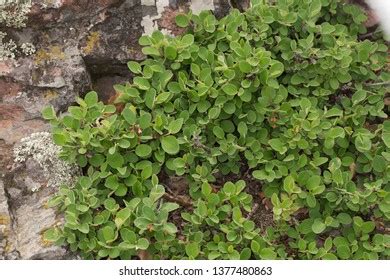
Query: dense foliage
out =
(284, 98)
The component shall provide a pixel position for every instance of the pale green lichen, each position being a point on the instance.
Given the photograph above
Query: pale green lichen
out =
(7, 48)
(28, 48)
(13, 14)
(41, 148)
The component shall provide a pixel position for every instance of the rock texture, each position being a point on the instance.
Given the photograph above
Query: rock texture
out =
(80, 45)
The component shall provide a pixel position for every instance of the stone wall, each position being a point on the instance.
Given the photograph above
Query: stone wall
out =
(80, 45)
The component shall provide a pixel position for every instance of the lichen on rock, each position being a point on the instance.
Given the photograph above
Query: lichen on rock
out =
(13, 14)
(40, 147)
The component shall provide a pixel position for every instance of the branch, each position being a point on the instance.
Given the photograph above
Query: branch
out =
(254, 209)
(181, 200)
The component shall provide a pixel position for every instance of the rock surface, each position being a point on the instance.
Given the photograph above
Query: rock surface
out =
(80, 45)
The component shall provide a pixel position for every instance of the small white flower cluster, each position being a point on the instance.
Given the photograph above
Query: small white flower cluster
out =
(40, 147)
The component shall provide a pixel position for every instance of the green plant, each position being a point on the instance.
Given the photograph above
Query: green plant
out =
(217, 227)
(284, 94)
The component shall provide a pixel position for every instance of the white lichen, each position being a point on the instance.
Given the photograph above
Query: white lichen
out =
(7, 48)
(149, 22)
(41, 148)
(201, 5)
(28, 48)
(13, 14)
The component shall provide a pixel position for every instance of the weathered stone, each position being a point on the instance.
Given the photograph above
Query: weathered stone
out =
(5, 221)
(30, 216)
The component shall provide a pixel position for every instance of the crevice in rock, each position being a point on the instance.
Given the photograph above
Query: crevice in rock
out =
(105, 75)
(10, 251)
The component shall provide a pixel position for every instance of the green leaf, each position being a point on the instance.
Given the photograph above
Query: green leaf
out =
(144, 40)
(76, 112)
(91, 98)
(143, 244)
(368, 227)
(244, 66)
(290, 186)
(202, 208)
(277, 145)
(267, 254)
(169, 207)
(122, 216)
(336, 132)
(112, 182)
(145, 120)
(170, 144)
(358, 96)
(318, 226)
(192, 250)
(386, 133)
(315, 7)
(296, 79)
(182, 20)
(230, 89)
(344, 252)
(107, 233)
(344, 218)
(218, 132)
(84, 228)
(141, 83)
(60, 139)
(134, 67)
(170, 52)
(129, 115)
(313, 182)
(327, 28)
(48, 113)
(115, 160)
(128, 235)
(150, 51)
(52, 235)
(146, 172)
(276, 69)
(157, 192)
(242, 128)
(175, 126)
(143, 150)
(229, 188)
(111, 205)
(363, 143)
(187, 40)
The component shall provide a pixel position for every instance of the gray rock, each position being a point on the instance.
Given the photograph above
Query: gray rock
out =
(5, 222)
(28, 217)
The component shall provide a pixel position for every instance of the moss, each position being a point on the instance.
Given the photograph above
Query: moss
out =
(92, 42)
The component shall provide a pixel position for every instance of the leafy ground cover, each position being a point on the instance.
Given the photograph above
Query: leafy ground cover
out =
(261, 135)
